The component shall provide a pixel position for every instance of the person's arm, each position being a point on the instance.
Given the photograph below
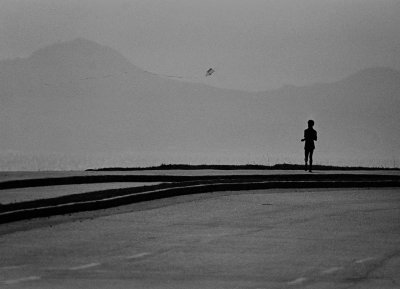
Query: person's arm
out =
(315, 136)
(303, 139)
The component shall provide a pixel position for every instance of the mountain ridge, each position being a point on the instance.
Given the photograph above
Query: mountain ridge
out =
(84, 47)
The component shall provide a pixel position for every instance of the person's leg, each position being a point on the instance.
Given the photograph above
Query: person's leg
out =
(306, 152)
(311, 160)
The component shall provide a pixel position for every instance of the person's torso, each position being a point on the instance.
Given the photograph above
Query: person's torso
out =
(310, 136)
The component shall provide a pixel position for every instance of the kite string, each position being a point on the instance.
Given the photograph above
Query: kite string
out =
(164, 75)
(208, 73)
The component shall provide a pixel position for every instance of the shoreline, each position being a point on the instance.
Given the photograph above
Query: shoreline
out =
(283, 166)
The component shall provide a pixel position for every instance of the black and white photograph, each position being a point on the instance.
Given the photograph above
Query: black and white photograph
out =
(200, 144)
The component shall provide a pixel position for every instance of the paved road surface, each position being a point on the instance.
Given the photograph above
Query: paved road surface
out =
(249, 239)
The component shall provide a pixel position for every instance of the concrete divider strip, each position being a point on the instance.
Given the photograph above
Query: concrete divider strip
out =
(57, 208)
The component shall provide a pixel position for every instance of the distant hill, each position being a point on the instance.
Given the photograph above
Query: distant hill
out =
(79, 97)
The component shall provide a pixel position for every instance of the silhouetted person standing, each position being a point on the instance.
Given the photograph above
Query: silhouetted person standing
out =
(310, 135)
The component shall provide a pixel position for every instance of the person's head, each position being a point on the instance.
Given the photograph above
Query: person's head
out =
(310, 123)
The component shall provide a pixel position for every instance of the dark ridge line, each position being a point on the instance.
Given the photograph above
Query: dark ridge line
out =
(90, 196)
(283, 166)
(118, 200)
(74, 180)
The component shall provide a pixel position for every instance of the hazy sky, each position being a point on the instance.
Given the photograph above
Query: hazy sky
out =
(252, 44)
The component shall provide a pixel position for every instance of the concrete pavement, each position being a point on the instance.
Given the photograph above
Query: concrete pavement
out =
(294, 238)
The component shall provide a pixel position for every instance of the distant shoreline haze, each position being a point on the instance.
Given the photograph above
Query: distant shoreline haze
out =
(79, 105)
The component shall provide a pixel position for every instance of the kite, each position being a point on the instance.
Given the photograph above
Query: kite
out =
(209, 72)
